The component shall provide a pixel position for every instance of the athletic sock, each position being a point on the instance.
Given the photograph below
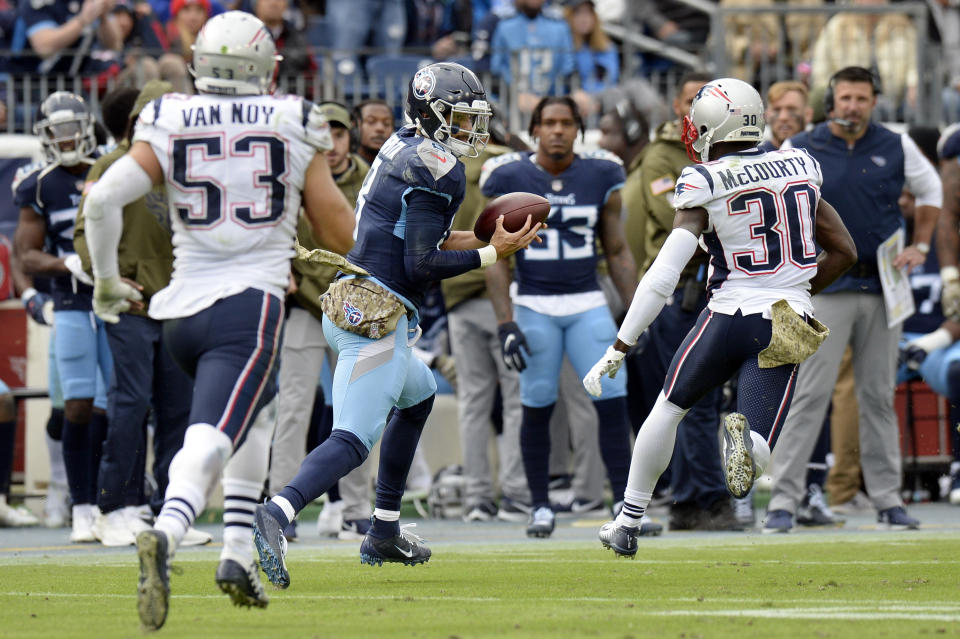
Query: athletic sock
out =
(76, 458)
(535, 449)
(97, 432)
(614, 433)
(399, 444)
(338, 455)
(239, 500)
(8, 432)
(386, 523)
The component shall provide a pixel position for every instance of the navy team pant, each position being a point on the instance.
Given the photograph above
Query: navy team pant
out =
(231, 350)
(695, 473)
(144, 375)
(720, 346)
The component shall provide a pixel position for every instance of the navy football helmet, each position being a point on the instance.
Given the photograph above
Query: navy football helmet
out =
(448, 104)
(64, 120)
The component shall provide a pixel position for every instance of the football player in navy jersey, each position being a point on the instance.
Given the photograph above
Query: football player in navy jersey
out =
(403, 243)
(48, 197)
(558, 306)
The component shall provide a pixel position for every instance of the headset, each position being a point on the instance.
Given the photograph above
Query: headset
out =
(635, 126)
(867, 76)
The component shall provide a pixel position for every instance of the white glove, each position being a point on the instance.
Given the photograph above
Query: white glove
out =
(111, 296)
(72, 262)
(950, 294)
(609, 364)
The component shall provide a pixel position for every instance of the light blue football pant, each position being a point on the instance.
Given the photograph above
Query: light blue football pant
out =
(934, 368)
(80, 360)
(584, 337)
(373, 376)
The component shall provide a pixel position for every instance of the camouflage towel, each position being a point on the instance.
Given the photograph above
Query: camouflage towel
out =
(327, 258)
(794, 338)
(361, 306)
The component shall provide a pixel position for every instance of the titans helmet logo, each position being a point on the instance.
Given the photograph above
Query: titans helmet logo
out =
(423, 83)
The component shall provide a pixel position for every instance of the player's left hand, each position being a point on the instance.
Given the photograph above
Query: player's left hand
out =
(609, 364)
(950, 297)
(910, 257)
(112, 296)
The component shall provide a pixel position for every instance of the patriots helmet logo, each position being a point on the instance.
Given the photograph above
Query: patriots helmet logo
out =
(423, 83)
(353, 314)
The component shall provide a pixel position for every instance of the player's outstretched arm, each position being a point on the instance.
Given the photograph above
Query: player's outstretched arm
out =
(657, 285)
(839, 252)
(328, 211)
(623, 268)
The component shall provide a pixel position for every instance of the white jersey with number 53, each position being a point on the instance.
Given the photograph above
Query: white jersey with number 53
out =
(760, 235)
(234, 170)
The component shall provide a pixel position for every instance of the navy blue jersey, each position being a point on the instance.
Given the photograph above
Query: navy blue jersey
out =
(566, 260)
(926, 284)
(406, 163)
(54, 194)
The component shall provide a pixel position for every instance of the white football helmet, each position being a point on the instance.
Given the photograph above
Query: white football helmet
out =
(234, 55)
(66, 129)
(725, 110)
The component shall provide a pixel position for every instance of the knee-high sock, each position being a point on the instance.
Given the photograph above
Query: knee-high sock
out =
(535, 449)
(323, 466)
(76, 458)
(321, 425)
(614, 433)
(400, 439)
(97, 432)
(55, 424)
(8, 432)
(193, 471)
(651, 455)
(243, 479)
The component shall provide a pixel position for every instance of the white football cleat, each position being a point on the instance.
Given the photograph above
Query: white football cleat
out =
(194, 537)
(112, 530)
(83, 518)
(330, 520)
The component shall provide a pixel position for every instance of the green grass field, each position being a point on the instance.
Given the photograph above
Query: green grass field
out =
(833, 585)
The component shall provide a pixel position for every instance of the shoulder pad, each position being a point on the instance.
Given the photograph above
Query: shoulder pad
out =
(495, 163)
(24, 172)
(948, 146)
(436, 159)
(601, 154)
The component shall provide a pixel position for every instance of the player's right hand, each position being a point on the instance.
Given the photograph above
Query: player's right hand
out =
(512, 344)
(112, 296)
(39, 306)
(609, 364)
(950, 298)
(508, 243)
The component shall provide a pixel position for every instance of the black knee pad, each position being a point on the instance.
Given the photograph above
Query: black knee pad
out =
(418, 413)
(55, 424)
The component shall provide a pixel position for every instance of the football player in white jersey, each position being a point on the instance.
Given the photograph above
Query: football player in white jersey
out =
(237, 163)
(760, 217)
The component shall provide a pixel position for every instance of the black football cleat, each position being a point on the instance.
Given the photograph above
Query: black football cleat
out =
(241, 584)
(153, 589)
(405, 548)
(271, 546)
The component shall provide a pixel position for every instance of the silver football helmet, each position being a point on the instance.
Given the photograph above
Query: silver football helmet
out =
(724, 110)
(234, 55)
(66, 129)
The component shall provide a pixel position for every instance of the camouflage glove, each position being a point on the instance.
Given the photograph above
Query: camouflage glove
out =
(609, 364)
(950, 294)
(111, 296)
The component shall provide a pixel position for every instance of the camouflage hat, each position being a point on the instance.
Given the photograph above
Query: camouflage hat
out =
(150, 92)
(336, 113)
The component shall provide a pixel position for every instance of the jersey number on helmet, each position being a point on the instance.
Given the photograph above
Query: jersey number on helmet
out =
(189, 156)
(785, 226)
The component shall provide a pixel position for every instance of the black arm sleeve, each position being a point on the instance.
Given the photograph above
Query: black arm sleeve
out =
(425, 231)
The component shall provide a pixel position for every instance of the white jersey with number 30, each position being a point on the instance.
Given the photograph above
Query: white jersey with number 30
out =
(760, 234)
(234, 170)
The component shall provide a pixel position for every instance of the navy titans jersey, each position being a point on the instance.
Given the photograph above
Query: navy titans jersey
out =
(926, 284)
(406, 162)
(566, 260)
(54, 194)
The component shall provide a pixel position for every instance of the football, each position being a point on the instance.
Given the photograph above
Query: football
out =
(514, 207)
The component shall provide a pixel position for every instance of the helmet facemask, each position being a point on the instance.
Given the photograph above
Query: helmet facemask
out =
(67, 127)
(463, 129)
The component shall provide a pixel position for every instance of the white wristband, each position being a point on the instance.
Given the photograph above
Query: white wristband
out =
(949, 273)
(936, 340)
(488, 256)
